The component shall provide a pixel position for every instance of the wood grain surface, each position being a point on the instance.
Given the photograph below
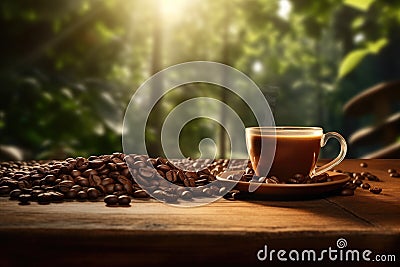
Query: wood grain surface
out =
(150, 233)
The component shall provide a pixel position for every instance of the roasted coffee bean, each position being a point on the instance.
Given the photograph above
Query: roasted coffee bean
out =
(24, 199)
(190, 174)
(350, 185)
(71, 194)
(270, 180)
(171, 176)
(56, 196)
(50, 179)
(94, 180)
(96, 163)
(170, 197)
(320, 178)
(375, 190)
(15, 193)
(124, 200)
(146, 172)
(395, 174)
(365, 186)
(152, 162)
(201, 182)
(372, 177)
(292, 181)
(44, 198)
(26, 190)
(363, 165)
(35, 193)
(89, 172)
(186, 195)
(357, 182)
(77, 187)
(92, 193)
(347, 192)
(107, 181)
(101, 189)
(126, 183)
(75, 173)
(84, 182)
(82, 195)
(159, 194)
(237, 195)
(66, 177)
(109, 189)
(65, 186)
(111, 200)
(392, 171)
(4, 190)
(163, 167)
(140, 194)
(118, 187)
(181, 176)
(139, 164)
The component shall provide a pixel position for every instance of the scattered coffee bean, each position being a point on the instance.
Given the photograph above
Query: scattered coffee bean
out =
(124, 200)
(375, 190)
(347, 192)
(357, 182)
(392, 170)
(366, 186)
(363, 165)
(395, 174)
(140, 194)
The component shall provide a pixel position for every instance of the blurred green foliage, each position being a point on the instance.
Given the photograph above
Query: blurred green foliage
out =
(69, 67)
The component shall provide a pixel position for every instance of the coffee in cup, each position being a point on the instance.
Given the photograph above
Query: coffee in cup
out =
(286, 151)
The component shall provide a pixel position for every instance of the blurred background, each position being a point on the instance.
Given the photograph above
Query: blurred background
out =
(69, 67)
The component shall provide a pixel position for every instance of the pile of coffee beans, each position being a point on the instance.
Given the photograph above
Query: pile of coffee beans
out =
(117, 178)
(82, 179)
(108, 177)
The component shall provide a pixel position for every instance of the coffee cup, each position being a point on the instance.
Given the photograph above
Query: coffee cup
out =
(286, 151)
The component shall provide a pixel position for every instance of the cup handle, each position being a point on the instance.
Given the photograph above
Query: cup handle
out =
(338, 159)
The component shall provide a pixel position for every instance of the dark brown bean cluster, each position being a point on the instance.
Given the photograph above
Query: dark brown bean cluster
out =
(108, 177)
(175, 180)
(360, 179)
(78, 178)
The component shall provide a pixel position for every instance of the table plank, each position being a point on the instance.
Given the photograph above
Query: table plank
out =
(224, 232)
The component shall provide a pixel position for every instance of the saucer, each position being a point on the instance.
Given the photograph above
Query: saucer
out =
(288, 191)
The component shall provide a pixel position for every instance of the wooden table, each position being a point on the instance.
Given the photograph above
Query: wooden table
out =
(227, 233)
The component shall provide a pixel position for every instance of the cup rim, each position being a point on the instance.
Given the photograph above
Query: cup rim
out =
(285, 130)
